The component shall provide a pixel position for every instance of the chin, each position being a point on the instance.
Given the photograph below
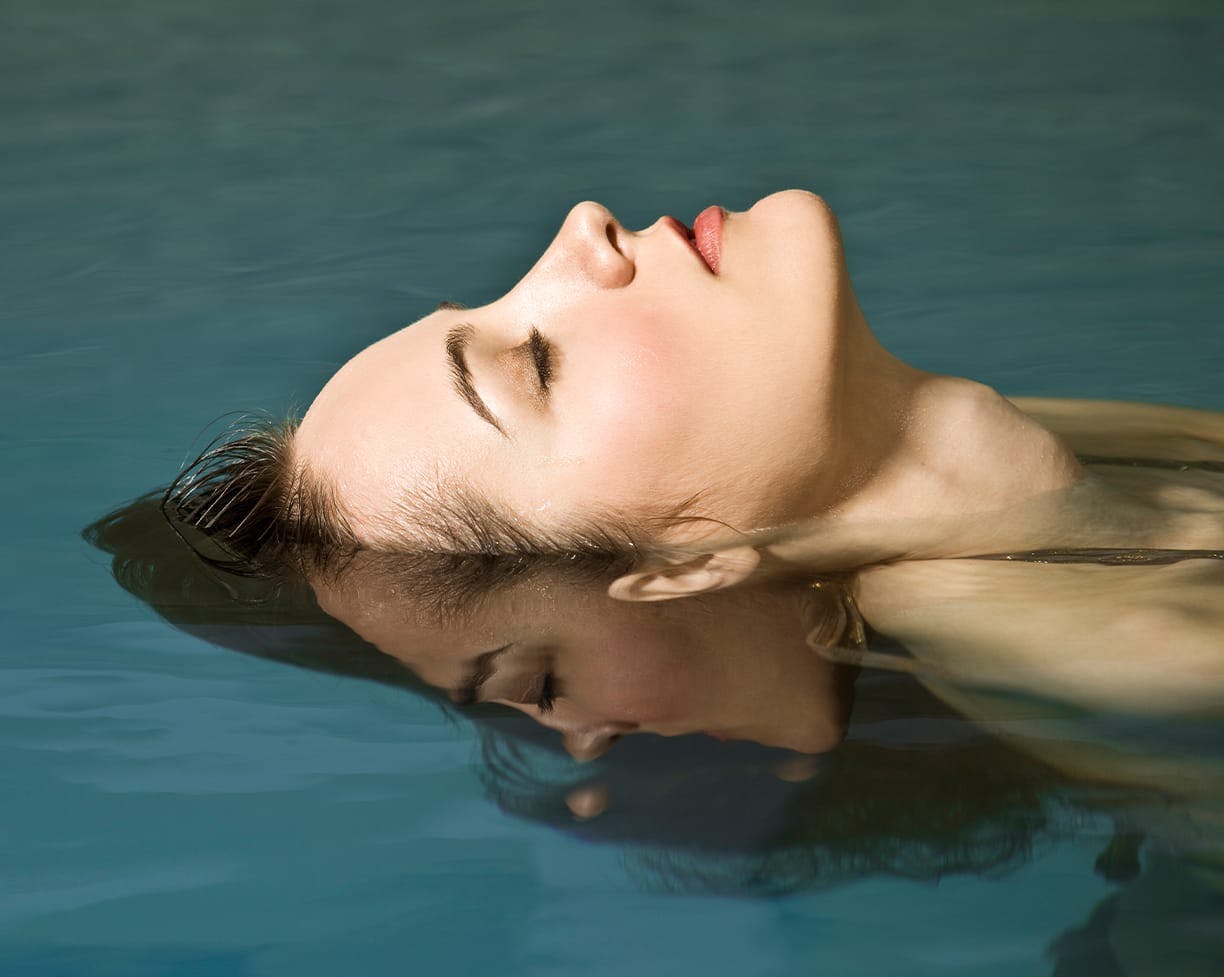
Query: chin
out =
(802, 207)
(797, 237)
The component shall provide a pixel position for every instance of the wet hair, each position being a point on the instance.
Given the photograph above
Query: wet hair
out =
(250, 509)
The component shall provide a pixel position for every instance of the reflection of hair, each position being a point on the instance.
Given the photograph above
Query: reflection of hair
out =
(250, 510)
(267, 617)
(939, 797)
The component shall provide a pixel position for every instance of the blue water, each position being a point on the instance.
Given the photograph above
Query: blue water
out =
(209, 206)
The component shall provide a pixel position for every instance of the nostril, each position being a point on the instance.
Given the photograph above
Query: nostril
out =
(588, 802)
(598, 245)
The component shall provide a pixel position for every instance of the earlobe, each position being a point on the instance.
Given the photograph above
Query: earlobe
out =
(697, 575)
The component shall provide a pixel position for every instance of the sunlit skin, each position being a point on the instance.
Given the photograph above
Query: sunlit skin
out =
(734, 665)
(653, 354)
(759, 390)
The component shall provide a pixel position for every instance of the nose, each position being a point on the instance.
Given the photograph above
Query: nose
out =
(587, 744)
(597, 245)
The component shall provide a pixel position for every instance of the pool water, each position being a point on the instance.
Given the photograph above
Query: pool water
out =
(208, 207)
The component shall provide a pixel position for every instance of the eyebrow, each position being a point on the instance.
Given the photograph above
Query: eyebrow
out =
(457, 340)
(479, 671)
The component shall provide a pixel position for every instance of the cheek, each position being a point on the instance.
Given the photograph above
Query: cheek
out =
(648, 698)
(632, 417)
(635, 677)
(635, 368)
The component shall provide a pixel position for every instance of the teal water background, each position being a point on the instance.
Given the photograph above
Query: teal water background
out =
(209, 206)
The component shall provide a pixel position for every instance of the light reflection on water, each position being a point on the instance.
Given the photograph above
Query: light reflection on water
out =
(208, 208)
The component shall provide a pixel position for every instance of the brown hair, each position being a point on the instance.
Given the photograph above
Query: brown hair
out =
(248, 508)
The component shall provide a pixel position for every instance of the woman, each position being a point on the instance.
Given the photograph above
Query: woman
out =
(650, 407)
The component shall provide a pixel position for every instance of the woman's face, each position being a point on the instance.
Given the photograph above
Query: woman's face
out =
(735, 665)
(621, 374)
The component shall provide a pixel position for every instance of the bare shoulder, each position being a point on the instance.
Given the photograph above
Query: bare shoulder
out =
(1147, 639)
(1118, 428)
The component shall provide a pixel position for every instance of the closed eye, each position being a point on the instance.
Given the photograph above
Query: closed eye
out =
(546, 696)
(543, 356)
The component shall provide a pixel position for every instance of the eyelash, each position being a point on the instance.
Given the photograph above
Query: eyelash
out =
(542, 356)
(547, 696)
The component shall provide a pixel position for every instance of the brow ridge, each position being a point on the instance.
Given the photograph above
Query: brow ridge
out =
(481, 670)
(457, 340)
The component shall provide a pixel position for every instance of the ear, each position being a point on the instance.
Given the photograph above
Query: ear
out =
(697, 575)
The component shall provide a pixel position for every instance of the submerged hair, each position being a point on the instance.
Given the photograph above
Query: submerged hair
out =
(249, 508)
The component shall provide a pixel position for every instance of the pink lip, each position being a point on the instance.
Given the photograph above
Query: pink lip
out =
(707, 230)
(710, 254)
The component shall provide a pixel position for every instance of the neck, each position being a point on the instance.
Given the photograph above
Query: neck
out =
(927, 464)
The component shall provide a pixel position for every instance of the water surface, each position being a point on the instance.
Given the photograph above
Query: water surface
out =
(207, 207)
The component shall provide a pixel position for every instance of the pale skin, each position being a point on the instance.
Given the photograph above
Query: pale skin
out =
(1140, 639)
(761, 393)
(760, 390)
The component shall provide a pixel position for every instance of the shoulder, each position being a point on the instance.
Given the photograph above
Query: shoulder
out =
(1121, 429)
(1144, 639)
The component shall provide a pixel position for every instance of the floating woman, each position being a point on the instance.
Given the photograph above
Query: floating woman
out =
(673, 411)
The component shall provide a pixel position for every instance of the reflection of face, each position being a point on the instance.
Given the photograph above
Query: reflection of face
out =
(735, 665)
(619, 373)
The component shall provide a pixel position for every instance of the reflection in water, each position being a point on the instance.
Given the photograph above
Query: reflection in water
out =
(902, 786)
(735, 664)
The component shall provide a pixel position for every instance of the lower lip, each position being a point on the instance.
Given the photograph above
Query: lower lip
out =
(707, 234)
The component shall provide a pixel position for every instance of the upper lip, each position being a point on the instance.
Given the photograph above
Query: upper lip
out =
(707, 236)
(685, 232)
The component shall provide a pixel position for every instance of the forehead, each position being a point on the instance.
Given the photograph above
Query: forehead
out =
(382, 610)
(442, 649)
(388, 421)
